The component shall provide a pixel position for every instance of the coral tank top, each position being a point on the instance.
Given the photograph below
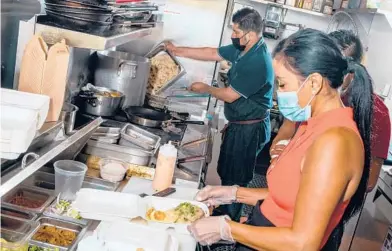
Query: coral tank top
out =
(284, 176)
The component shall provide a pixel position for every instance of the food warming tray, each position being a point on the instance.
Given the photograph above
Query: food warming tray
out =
(16, 232)
(127, 154)
(49, 213)
(140, 137)
(24, 215)
(44, 197)
(160, 49)
(79, 229)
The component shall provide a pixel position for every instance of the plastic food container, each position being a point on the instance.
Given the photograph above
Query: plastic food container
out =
(15, 233)
(28, 198)
(113, 170)
(69, 176)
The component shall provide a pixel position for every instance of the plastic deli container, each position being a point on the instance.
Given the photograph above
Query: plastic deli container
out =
(69, 176)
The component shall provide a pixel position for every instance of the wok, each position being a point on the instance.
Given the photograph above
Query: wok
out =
(153, 118)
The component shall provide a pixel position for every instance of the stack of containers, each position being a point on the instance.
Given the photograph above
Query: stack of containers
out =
(22, 115)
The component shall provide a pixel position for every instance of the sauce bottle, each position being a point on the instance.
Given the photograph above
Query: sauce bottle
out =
(164, 169)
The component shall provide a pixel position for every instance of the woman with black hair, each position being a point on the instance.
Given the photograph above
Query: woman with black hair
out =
(303, 204)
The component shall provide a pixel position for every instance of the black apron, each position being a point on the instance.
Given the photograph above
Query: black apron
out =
(255, 219)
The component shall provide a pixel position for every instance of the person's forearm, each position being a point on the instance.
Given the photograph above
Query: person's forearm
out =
(250, 196)
(223, 94)
(266, 238)
(375, 168)
(203, 54)
(286, 132)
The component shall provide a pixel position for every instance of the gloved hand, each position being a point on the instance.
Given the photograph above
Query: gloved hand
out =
(210, 230)
(278, 148)
(217, 195)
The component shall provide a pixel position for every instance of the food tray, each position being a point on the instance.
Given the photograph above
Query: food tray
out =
(99, 184)
(111, 151)
(49, 213)
(16, 232)
(105, 139)
(44, 197)
(8, 211)
(79, 229)
(159, 50)
(140, 137)
(111, 132)
(143, 172)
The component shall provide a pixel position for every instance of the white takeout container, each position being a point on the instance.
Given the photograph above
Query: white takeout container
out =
(113, 206)
(39, 104)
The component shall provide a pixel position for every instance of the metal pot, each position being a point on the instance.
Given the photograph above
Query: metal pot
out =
(100, 105)
(67, 115)
(124, 72)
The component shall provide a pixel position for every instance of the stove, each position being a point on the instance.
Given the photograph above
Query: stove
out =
(119, 120)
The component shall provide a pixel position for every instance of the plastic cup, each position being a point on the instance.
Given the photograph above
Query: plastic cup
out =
(69, 176)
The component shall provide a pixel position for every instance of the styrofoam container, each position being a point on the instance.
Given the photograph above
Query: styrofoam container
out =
(134, 236)
(7, 155)
(18, 129)
(114, 206)
(35, 102)
(104, 205)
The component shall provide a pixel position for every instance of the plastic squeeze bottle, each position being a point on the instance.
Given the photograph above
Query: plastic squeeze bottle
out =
(164, 169)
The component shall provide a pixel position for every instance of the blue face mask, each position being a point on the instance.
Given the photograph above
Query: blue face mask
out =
(289, 107)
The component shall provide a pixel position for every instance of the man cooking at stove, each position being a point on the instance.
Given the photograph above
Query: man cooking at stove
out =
(247, 100)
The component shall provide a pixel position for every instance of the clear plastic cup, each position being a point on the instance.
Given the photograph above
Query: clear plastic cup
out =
(69, 176)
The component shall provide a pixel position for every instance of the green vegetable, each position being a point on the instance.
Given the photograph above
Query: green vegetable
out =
(35, 248)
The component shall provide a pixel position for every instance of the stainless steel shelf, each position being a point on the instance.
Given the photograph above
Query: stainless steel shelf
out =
(86, 39)
(310, 12)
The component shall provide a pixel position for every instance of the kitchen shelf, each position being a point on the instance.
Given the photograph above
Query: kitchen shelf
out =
(289, 7)
(88, 39)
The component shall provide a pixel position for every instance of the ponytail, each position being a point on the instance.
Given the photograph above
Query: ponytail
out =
(360, 98)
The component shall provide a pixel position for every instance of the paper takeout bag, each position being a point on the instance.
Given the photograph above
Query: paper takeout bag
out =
(44, 71)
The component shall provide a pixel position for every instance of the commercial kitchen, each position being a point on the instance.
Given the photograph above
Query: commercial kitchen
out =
(92, 140)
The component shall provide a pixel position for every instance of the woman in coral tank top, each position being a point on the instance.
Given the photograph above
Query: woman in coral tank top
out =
(320, 177)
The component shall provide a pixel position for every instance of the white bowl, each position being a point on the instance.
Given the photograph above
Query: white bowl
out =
(112, 177)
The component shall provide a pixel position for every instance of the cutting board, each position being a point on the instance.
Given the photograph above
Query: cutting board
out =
(44, 71)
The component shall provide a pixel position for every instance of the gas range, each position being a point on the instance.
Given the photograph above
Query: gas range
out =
(120, 120)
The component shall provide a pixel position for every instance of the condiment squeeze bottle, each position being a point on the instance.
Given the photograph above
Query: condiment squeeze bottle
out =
(165, 166)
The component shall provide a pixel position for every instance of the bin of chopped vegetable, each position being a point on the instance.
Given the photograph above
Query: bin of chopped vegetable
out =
(64, 208)
(36, 248)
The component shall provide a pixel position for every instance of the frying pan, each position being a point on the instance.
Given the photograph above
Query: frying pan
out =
(101, 17)
(87, 10)
(81, 3)
(153, 118)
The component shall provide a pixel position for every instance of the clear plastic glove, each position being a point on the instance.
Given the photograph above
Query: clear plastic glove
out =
(211, 230)
(217, 195)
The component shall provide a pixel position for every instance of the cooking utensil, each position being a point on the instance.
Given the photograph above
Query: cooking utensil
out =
(68, 115)
(100, 104)
(125, 72)
(194, 142)
(187, 160)
(133, 16)
(153, 118)
(95, 17)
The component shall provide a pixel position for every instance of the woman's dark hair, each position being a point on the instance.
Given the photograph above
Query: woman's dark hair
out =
(310, 51)
(248, 20)
(349, 43)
